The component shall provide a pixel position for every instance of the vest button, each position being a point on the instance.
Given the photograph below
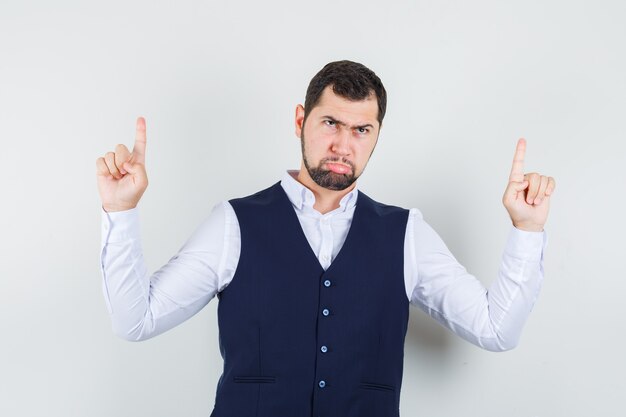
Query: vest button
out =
(324, 349)
(322, 384)
(327, 283)
(325, 312)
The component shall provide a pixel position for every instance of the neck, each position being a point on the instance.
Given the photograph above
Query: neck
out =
(325, 200)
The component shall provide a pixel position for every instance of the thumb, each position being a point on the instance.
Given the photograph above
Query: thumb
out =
(520, 186)
(132, 168)
(515, 187)
(138, 172)
(129, 167)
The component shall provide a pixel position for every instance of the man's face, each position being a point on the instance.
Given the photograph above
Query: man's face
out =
(338, 138)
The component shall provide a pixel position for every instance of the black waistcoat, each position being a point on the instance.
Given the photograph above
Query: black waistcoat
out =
(298, 341)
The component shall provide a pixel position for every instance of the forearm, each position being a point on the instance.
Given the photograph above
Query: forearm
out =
(491, 318)
(143, 305)
(125, 280)
(513, 294)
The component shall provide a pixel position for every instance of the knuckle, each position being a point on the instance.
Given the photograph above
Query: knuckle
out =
(112, 168)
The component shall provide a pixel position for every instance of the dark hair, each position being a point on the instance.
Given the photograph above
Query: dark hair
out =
(349, 80)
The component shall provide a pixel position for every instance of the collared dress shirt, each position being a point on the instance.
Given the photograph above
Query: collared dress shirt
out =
(143, 305)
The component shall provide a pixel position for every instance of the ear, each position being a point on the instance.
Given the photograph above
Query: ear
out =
(299, 120)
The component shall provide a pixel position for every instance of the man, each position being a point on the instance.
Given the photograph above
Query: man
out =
(314, 278)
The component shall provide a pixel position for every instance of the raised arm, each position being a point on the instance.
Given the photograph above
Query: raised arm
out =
(142, 305)
(492, 318)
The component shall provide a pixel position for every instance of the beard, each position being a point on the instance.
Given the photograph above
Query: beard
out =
(326, 178)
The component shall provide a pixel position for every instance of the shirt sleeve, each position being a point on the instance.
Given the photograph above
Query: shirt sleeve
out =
(491, 318)
(143, 305)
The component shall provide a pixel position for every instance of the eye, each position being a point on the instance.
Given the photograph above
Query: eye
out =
(329, 122)
(362, 130)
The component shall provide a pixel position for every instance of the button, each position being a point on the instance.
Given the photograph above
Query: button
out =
(324, 349)
(322, 384)
(327, 283)
(325, 312)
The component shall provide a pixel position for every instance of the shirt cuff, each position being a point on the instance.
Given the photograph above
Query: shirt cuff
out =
(526, 245)
(120, 226)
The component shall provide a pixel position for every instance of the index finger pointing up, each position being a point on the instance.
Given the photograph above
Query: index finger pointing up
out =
(139, 150)
(517, 171)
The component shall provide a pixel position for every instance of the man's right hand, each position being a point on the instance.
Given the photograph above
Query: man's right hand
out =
(121, 175)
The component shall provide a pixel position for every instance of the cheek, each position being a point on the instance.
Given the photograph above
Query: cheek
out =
(316, 147)
(320, 142)
(363, 146)
(363, 151)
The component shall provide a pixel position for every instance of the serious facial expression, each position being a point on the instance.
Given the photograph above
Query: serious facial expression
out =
(338, 138)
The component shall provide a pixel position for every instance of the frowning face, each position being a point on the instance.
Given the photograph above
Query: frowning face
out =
(338, 138)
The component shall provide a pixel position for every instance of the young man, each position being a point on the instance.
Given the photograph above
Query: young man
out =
(314, 278)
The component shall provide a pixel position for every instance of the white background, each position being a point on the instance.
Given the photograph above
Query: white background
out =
(218, 83)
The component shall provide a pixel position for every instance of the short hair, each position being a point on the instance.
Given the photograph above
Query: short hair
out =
(349, 80)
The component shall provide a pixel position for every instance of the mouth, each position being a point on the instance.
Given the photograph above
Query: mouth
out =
(338, 168)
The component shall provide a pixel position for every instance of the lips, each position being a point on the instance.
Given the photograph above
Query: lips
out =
(338, 168)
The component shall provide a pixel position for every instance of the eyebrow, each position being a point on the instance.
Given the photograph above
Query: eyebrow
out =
(339, 122)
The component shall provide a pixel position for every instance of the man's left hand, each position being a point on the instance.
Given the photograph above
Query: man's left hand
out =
(527, 197)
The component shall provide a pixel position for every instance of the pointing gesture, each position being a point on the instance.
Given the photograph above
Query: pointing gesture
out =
(139, 150)
(527, 196)
(121, 175)
(517, 171)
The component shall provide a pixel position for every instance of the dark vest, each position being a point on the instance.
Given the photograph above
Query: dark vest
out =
(298, 341)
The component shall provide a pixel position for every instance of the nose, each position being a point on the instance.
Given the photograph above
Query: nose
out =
(341, 142)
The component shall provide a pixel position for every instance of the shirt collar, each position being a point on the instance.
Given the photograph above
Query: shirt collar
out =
(300, 196)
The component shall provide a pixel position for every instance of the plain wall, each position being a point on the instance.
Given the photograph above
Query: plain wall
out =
(218, 83)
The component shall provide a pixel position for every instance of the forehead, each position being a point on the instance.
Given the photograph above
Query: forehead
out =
(358, 112)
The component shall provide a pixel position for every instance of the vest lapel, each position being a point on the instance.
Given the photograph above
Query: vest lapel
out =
(292, 217)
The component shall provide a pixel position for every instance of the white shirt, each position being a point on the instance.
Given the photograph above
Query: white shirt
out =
(143, 305)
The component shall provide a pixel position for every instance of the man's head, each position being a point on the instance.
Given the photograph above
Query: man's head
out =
(340, 122)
